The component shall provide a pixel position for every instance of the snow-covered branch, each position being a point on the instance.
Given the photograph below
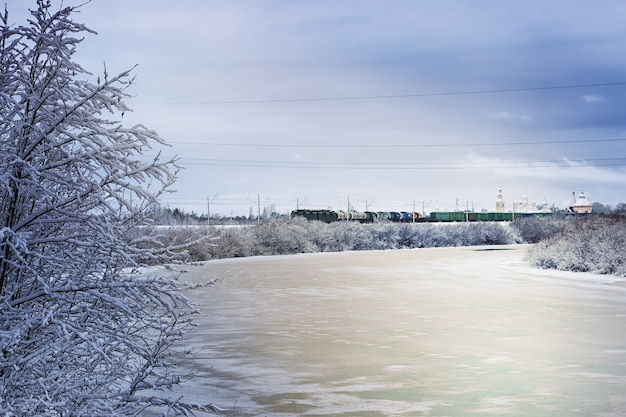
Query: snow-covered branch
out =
(78, 334)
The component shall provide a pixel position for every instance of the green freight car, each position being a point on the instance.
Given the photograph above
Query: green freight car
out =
(459, 216)
(448, 216)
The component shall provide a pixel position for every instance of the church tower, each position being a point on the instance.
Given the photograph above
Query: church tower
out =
(500, 203)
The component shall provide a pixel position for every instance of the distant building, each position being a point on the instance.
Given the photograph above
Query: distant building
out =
(544, 207)
(522, 206)
(581, 204)
(500, 203)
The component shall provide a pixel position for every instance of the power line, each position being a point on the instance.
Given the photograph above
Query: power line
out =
(526, 164)
(392, 96)
(410, 145)
(524, 161)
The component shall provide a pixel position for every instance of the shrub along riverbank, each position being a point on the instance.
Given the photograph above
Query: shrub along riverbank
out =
(289, 236)
(593, 244)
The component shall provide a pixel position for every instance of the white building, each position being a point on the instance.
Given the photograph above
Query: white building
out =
(523, 206)
(581, 204)
(500, 203)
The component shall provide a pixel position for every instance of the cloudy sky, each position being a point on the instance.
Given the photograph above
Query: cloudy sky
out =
(387, 104)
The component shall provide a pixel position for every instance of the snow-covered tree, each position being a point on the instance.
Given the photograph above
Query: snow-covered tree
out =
(79, 334)
(586, 244)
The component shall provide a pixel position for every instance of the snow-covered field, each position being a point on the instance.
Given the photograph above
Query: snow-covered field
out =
(438, 332)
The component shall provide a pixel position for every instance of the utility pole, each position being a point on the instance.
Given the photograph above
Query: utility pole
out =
(258, 201)
(208, 206)
(298, 202)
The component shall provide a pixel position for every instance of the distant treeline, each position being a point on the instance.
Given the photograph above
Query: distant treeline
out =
(160, 215)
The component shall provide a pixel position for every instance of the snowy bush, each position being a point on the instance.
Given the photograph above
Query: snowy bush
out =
(289, 236)
(594, 244)
(230, 243)
(345, 236)
(319, 235)
(173, 243)
(533, 229)
(385, 236)
(279, 237)
(82, 331)
(489, 233)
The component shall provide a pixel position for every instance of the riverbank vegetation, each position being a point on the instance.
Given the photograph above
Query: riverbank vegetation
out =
(597, 245)
(283, 236)
(593, 243)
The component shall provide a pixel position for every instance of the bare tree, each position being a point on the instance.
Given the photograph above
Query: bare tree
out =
(80, 333)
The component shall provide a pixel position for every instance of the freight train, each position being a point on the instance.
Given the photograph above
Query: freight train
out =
(330, 216)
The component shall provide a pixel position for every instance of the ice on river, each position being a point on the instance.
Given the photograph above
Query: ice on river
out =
(437, 332)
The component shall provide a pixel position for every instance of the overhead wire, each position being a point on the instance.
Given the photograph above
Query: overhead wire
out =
(409, 165)
(561, 162)
(405, 145)
(410, 145)
(454, 165)
(391, 96)
(526, 164)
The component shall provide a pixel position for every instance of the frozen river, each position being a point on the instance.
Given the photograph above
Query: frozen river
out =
(426, 332)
